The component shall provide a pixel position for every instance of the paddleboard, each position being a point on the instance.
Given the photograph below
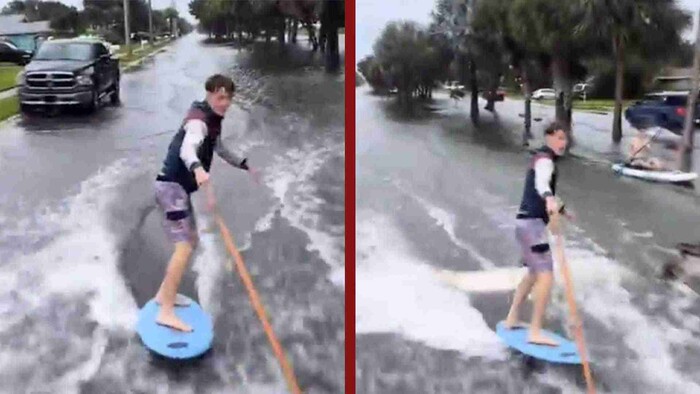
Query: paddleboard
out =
(656, 176)
(516, 338)
(172, 343)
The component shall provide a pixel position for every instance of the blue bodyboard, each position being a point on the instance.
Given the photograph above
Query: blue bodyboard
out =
(565, 353)
(172, 343)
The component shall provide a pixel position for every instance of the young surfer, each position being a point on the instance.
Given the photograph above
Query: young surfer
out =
(185, 169)
(538, 203)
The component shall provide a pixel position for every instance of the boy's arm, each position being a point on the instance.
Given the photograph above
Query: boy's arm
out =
(195, 131)
(229, 156)
(544, 168)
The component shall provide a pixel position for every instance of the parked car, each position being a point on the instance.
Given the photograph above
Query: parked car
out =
(9, 53)
(454, 85)
(497, 95)
(547, 94)
(662, 109)
(70, 72)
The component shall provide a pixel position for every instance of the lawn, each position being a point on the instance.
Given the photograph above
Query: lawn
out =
(8, 74)
(137, 52)
(8, 107)
(592, 105)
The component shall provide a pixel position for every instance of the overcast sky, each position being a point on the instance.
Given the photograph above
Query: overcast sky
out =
(372, 15)
(181, 5)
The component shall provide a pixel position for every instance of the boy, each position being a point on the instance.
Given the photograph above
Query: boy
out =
(640, 153)
(185, 169)
(538, 203)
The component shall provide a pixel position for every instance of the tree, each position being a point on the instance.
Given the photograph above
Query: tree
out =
(372, 73)
(410, 59)
(454, 18)
(398, 52)
(492, 20)
(14, 7)
(60, 16)
(549, 28)
(647, 27)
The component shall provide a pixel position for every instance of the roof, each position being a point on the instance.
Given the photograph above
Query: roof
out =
(675, 73)
(76, 41)
(12, 25)
(669, 93)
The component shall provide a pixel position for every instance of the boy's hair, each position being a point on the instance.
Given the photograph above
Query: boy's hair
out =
(218, 81)
(553, 128)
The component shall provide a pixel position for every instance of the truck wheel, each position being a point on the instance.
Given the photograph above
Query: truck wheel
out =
(94, 102)
(114, 98)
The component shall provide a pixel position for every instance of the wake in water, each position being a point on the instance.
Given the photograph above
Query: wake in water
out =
(634, 326)
(66, 298)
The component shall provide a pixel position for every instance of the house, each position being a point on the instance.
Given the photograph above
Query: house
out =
(24, 35)
(675, 79)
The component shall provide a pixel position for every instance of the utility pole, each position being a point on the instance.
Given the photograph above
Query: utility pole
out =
(127, 32)
(686, 148)
(173, 29)
(150, 23)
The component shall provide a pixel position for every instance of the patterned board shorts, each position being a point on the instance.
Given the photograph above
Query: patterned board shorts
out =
(534, 244)
(178, 220)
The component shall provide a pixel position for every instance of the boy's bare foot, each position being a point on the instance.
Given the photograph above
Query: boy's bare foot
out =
(180, 300)
(513, 323)
(539, 339)
(172, 321)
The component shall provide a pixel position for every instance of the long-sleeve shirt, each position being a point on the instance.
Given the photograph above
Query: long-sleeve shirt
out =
(544, 168)
(195, 132)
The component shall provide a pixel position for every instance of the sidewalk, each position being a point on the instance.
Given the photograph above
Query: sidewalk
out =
(8, 93)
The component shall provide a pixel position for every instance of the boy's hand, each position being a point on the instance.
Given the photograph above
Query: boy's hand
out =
(201, 176)
(552, 205)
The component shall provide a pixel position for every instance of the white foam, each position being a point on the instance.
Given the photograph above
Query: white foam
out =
(208, 263)
(84, 259)
(79, 266)
(447, 221)
(396, 292)
(290, 178)
(600, 293)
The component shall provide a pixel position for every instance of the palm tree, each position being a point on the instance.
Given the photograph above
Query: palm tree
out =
(492, 19)
(645, 27)
(548, 29)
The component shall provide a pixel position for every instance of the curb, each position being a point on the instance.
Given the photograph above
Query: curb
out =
(12, 118)
(138, 62)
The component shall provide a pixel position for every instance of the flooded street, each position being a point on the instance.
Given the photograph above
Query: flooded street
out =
(82, 248)
(437, 193)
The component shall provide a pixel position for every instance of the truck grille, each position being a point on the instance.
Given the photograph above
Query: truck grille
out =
(51, 80)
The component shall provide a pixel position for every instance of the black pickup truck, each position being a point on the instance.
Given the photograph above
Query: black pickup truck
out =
(75, 72)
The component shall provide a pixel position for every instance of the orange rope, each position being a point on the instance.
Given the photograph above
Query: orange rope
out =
(257, 305)
(578, 327)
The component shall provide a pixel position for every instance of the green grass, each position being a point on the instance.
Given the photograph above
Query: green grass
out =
(8, 74)
(604, 105)
(138, 53)
(8, 107)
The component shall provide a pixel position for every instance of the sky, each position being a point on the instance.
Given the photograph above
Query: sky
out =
(181, 5)
(372, 15)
